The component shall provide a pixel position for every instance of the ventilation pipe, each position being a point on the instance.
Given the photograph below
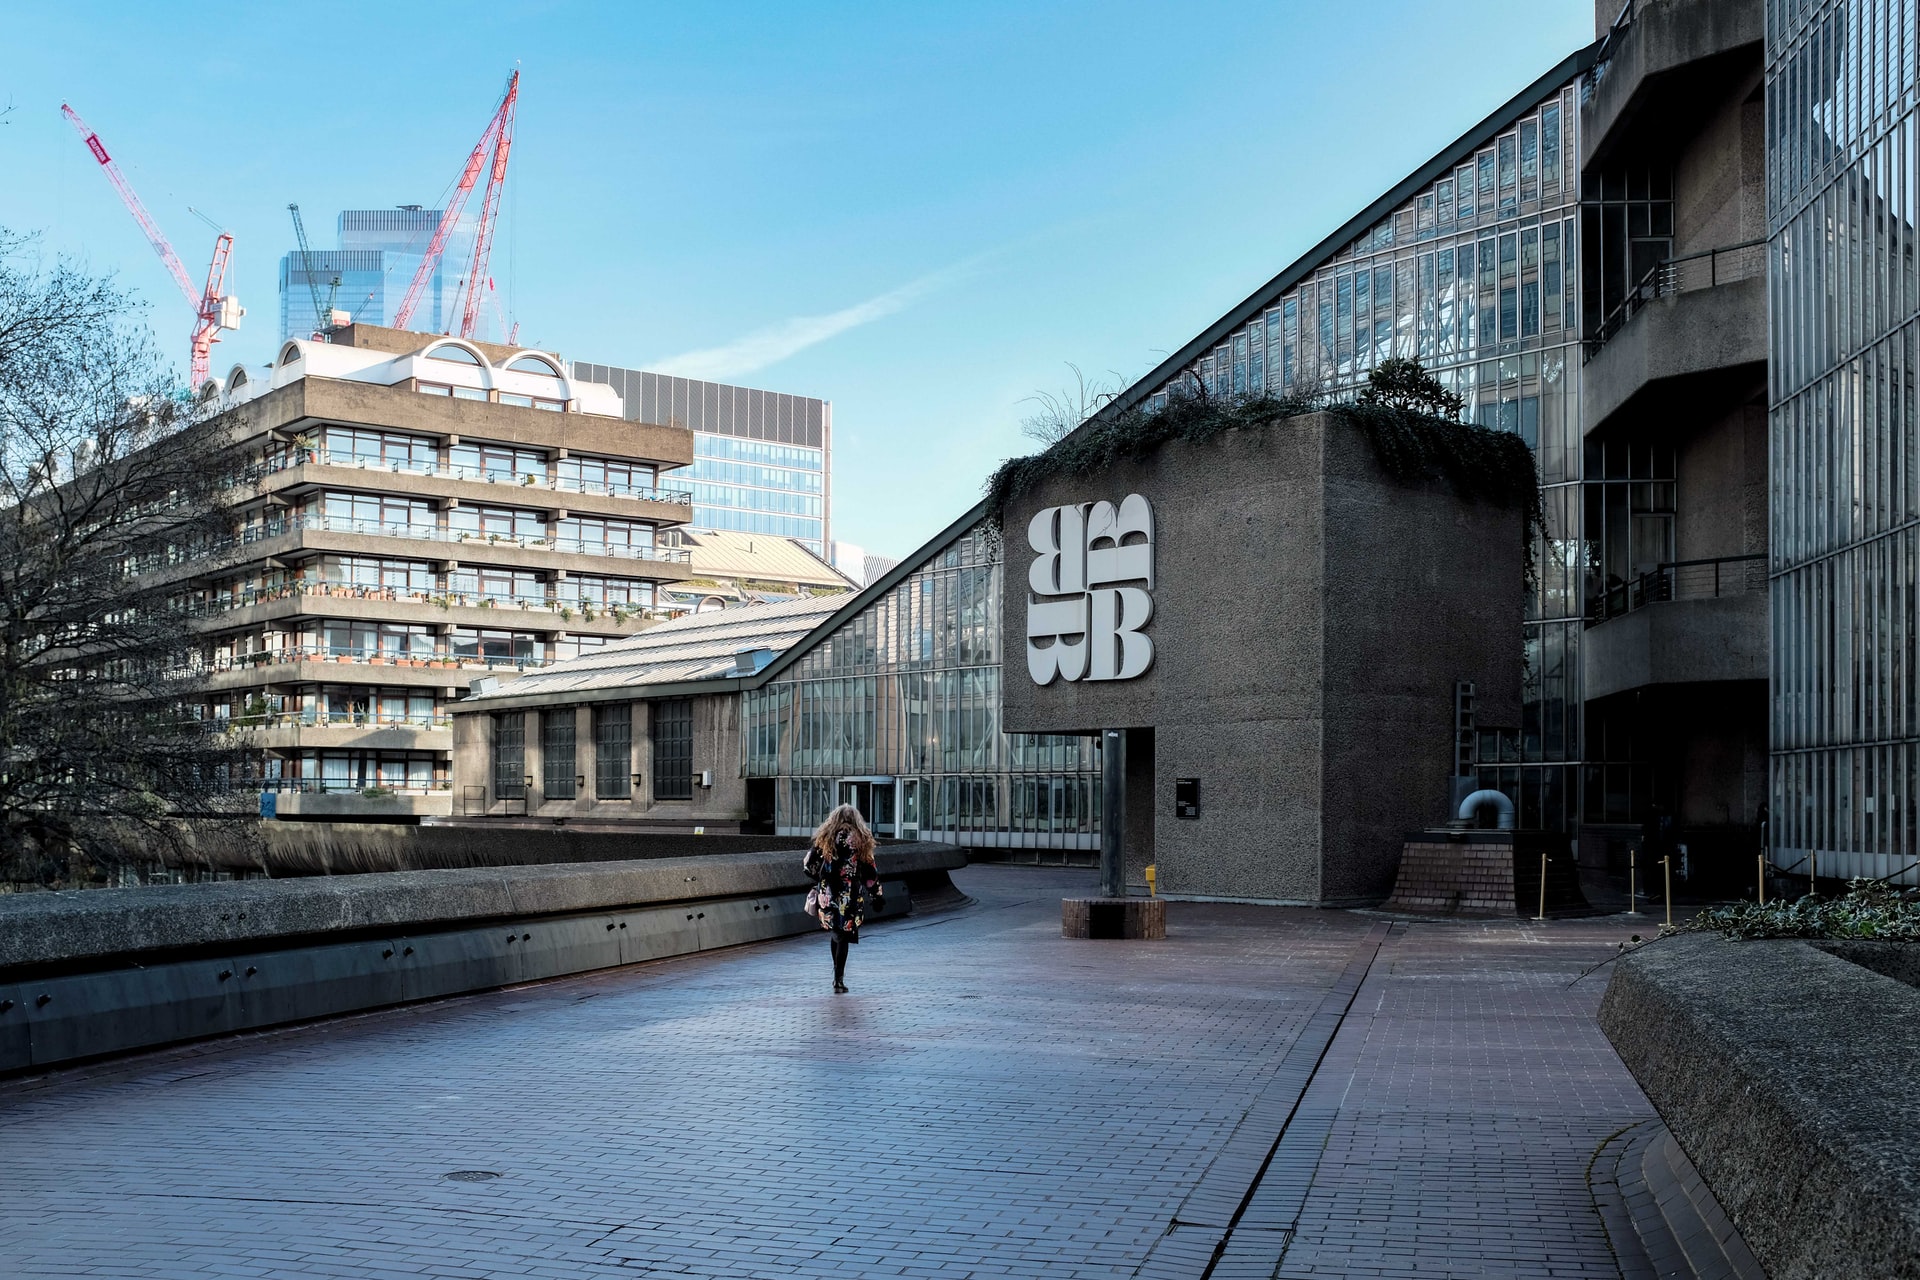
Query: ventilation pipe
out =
(1502, 807)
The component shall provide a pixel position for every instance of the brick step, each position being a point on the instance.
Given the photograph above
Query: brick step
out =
(1661, 1218)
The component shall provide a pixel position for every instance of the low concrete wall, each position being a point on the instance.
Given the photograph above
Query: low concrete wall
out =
(1786, 1073)
(95, 972)
(293, 848)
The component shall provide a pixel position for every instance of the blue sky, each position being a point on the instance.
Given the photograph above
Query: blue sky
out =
(920, 212)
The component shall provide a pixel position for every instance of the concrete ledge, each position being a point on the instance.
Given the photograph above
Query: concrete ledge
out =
(1677, 642)
(217, 959)
(1700, 343)
(1113, 918)
(74, 928)
(1786, 1074)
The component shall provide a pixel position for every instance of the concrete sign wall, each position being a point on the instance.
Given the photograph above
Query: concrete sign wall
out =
(1284, 630)
(1091, 584)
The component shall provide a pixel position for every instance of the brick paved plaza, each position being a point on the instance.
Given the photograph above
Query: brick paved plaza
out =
(992, 1100)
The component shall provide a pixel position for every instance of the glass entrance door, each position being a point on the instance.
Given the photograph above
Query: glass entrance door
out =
(874, 798)
(909, 808)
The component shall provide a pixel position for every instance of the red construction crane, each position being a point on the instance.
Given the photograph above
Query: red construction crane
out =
(496, 139)
(214, 308)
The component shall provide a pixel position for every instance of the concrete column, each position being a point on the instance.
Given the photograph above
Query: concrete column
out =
(1113, 813)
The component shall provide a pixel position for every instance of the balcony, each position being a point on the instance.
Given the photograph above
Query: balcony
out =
(305, 467)
(252, 605)
(1687, 622)
(308, 664)
(1693, 329)
(1664, 65)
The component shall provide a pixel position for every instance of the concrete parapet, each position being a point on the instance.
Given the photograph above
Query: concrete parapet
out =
(90, 926)
(1785, 1072)
(97, 972)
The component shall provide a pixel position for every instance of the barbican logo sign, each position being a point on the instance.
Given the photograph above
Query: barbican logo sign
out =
(1092, 591)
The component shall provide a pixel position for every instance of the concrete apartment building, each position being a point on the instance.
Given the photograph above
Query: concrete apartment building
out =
(417, 512)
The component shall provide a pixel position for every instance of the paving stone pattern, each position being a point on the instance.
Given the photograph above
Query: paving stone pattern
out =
(993, 1100)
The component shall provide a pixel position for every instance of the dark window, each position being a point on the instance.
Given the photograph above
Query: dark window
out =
(510, 756)
(556, 754)
(613, 752)
(673, 750)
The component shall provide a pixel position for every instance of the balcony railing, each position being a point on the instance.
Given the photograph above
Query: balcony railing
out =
(482, 475)
(434, 533)
(353, 657)
(591, 610)
(317, 719)
(342, 786)
(1682, 580)
(1735, 262)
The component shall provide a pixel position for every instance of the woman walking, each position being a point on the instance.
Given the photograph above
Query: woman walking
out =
(846, 883)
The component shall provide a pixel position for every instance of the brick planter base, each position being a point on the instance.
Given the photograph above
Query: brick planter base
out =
(1113, 918)
(1469, 875)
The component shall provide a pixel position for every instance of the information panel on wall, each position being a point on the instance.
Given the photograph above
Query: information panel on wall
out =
(1091, 585)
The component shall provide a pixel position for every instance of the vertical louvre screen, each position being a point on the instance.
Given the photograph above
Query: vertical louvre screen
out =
(510, 756)
(556, 754)
(613, 752)
(673, 750)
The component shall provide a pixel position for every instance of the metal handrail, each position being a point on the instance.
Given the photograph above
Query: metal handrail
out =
(435, 533)
(199, 666)
(448, 471)
(1705, 270)
(1669, 580)
(246, 597)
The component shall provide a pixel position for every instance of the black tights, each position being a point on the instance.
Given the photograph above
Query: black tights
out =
(838, 943)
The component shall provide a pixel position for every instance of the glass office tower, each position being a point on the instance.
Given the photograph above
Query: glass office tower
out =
(762, 460)
(1469, 267)
(379, 252)
(1843, 175)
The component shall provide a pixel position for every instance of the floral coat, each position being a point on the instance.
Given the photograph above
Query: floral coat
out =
(849, 888)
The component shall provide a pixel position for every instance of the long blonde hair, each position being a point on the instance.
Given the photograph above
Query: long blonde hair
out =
(845, 820)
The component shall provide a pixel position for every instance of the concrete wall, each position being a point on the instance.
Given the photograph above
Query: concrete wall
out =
(93, 973)
(1721, 471)
(1286, 675)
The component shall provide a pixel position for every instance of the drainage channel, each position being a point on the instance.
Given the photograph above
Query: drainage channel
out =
(1239, 1218)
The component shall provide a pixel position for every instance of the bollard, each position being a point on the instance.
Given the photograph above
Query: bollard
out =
(1633, 887)
(1813, 872)
(1666, 867)
(1543, 888)
(1761, 858)
(1150, 892)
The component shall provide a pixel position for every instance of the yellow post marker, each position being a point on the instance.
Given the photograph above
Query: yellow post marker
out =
(1543, 888)
(1666, 867)
(1761, 879)
(1150, 892)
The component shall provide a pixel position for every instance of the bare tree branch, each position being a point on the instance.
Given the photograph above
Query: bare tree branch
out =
(104, 483)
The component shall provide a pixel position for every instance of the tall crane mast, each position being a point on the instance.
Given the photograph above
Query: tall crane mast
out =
(214, 308)
(322, 310)
(495, 141)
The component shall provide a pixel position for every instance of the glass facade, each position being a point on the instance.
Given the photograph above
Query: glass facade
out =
(380, 249)
(1473, 276)
(762, 459)
(1843, 183)
(904, 699)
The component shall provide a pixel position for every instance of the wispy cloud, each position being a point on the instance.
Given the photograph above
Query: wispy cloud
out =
(776, 342)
